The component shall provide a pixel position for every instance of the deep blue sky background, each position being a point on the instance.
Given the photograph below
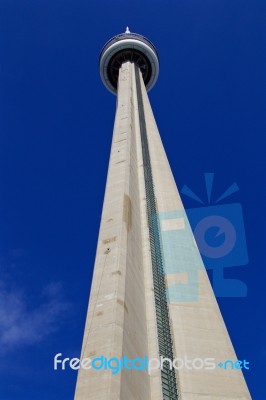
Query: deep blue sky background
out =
(56, 122)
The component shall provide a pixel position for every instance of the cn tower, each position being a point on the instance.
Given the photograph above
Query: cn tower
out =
(150, 295)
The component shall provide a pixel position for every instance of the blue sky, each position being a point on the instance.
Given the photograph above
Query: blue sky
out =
(54, 147)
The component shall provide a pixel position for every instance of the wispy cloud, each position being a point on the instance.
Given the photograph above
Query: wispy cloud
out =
(22, 323)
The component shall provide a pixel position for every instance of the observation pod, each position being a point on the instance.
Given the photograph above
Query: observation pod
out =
(128, 47)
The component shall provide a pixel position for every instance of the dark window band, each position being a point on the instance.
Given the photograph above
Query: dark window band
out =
(169, 385)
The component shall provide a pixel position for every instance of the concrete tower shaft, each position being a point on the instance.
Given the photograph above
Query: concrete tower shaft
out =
(129, 313)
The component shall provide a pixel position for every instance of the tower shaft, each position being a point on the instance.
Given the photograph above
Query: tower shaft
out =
(132, 310)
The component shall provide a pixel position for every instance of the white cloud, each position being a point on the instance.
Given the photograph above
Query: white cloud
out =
(23, 325)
